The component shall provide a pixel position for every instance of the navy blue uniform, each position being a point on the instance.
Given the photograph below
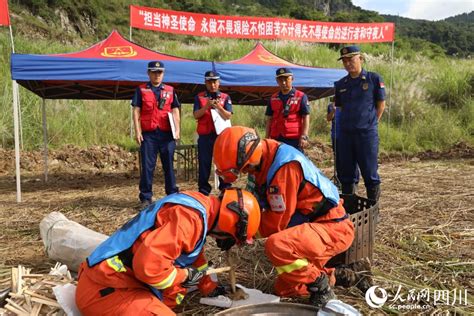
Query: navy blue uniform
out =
(304, 110)
(155, 142)
(335, 138)
(205, 148)
(358, 142)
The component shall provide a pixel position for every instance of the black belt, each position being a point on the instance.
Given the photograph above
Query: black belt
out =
(320, 209)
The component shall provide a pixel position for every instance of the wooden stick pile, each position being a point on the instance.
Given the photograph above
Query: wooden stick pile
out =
(32, 294)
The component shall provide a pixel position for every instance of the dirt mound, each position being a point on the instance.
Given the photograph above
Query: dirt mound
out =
(72, 159)
(112, 158)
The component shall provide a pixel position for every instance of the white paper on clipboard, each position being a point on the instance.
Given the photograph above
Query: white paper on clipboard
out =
(173, 126)
(219, 123)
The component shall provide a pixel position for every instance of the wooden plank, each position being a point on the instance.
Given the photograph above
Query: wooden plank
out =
(16, 311)
(36, 309)
(45, 301)
(14, 304)
(14, 280)
(217, 270)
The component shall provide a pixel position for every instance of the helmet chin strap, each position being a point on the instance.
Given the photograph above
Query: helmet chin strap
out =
(216, 220)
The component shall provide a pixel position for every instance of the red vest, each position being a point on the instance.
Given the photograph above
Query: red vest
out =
(205, 125)
(289, 126)
(151, 116)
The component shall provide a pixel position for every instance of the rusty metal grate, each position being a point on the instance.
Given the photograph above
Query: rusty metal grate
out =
(364, 214)
(186, 162)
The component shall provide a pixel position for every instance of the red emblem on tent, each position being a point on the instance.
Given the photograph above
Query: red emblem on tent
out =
(119, 51)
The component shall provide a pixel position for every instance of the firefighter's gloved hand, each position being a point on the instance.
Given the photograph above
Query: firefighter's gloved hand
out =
(194, 276)
(219, 290)
(225, 244)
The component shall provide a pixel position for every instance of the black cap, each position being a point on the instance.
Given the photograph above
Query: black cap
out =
(156, 66)
(283, 72)
(349, 51)
(211, 75)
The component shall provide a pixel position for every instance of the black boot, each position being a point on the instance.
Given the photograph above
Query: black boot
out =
(320, 291)
(348, 189)
(373, 193)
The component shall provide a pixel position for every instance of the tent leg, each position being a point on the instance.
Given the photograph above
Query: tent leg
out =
(17, 141)
(45, 141)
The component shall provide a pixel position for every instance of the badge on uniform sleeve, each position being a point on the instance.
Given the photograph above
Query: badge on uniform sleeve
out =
(365, 86)
(277, 204)
(273, 189)
(382, 85)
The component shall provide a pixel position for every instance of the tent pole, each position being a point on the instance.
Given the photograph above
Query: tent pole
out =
(391, 85)
(17, 140)
(131, 108)
(45, 141)
(18, 95)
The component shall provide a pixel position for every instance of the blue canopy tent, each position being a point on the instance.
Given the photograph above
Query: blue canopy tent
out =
(114, 67)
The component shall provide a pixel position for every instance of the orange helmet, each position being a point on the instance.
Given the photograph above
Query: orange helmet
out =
(235, 148)
(239, 215)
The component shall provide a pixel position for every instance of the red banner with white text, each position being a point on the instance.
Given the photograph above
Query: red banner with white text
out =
(4, 15)
(196, 24)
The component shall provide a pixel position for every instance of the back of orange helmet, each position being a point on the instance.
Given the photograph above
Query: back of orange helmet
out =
(234, 149)
(239, 216)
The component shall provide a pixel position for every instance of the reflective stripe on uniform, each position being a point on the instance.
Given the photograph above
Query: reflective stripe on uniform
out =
(168, 281)
(203, 267)
(295, 265)
(179, 298)
(116, 264)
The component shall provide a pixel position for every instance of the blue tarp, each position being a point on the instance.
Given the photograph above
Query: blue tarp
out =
(66, 77)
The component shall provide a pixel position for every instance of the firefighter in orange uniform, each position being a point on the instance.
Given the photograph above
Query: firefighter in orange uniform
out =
(146, 266)
(302, 214)
(288, 113)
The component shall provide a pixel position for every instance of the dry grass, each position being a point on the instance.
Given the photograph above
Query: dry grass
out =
(424, 240)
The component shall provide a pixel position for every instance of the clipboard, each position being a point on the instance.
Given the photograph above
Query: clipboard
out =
(219, 123)
(173, 125)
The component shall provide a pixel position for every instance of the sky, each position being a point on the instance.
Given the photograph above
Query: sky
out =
(432, 10)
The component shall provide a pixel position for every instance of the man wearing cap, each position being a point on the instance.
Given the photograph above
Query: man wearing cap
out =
(361, 97)
(288, 113)
(151, 104)
(204, 102)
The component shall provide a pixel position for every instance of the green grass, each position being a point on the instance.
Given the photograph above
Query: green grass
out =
(430, 106)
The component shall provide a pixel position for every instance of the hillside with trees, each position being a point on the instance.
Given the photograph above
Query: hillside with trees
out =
(73, 21)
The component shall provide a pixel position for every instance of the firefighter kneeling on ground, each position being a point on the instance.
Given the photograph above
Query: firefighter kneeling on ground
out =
(302, 214)
(146, 266)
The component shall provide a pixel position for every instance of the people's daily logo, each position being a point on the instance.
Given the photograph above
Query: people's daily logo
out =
(373, 299)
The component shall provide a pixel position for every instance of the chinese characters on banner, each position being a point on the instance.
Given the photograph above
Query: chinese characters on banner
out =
(179, 22)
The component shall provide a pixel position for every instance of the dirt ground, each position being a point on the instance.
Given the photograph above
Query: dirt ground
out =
(424, 241)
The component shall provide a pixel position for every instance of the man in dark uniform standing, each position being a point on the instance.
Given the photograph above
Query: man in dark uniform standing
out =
(204, 102)
(288, 113)
(152, 103)
(361, 97)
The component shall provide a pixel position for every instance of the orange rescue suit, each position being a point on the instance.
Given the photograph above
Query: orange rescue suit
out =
(177, 230)
(299, 253)
(287, 123)
(154, 115)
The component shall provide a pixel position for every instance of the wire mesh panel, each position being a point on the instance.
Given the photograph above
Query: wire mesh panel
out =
(186, 163)
(364, 215)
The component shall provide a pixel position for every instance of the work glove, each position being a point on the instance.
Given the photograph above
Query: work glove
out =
(225, 244)
(194, 276)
